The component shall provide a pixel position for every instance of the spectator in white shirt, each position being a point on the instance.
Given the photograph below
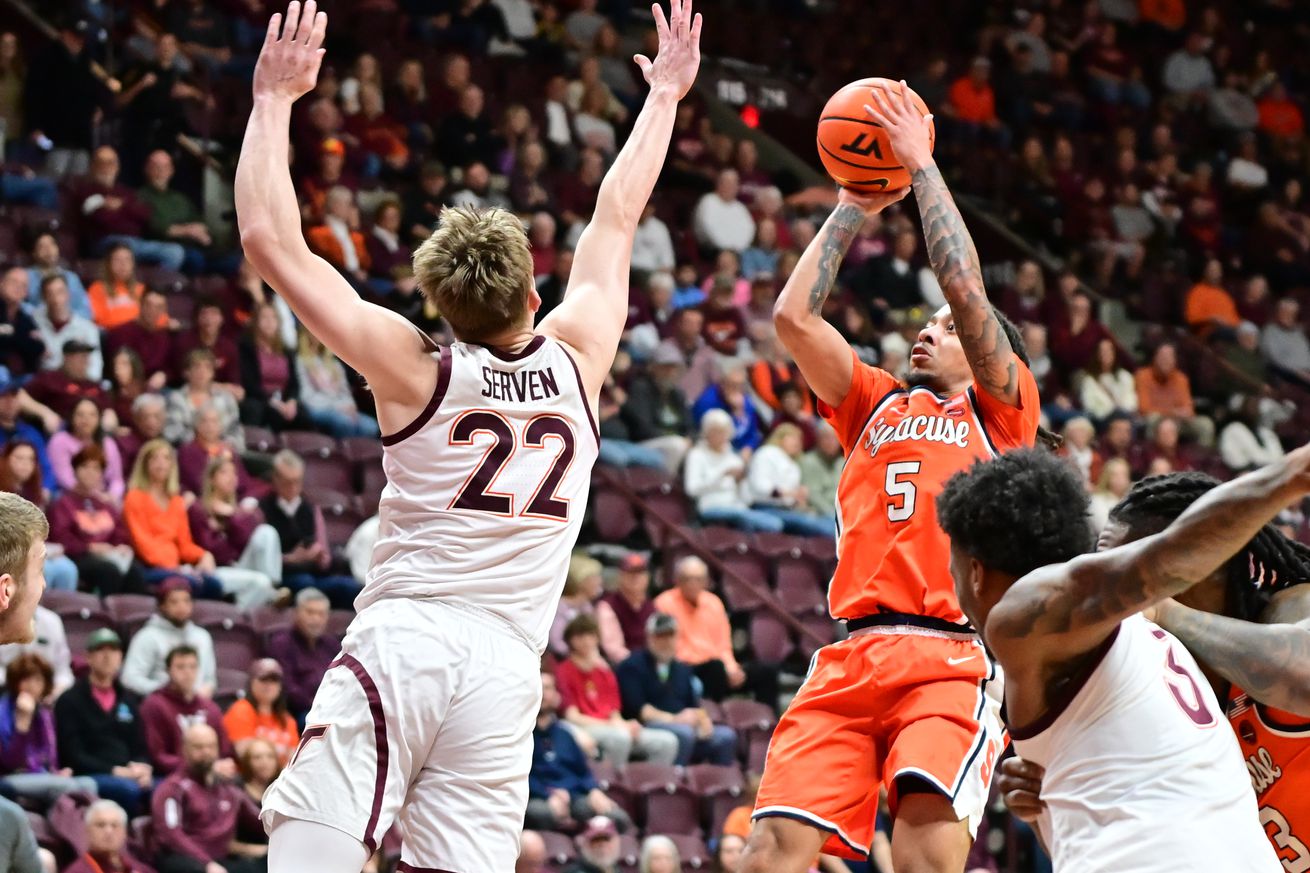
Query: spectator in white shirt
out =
(773, 484)
(1188, 72)
(51, 644)
(1245, 169)
(1247, 442)
(721, 220)
(652, 246)
(1284, 342)
(520, 18)
(1105, 387)
(58, 323)
(712, 477)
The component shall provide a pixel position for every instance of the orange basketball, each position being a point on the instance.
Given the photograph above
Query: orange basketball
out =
(854, 148)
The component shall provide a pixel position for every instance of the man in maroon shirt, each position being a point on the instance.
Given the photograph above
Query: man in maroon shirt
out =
(152, 342)
(61, 389)
(622, 613)
(149, 413)
(304, 650)
(196, 813)
(169, 712)
(112, 213)
(208, 333)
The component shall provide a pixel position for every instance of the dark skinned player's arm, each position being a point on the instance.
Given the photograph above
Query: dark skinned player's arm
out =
(1269, 661)
(950, 248)
(1062, 611)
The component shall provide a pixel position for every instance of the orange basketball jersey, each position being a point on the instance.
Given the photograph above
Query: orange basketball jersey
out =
(901, 446)
(1276, 746)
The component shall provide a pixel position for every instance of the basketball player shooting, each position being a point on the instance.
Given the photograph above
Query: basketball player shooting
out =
(910, 700)
(1250, 632)
(1113, 707)
(426, 716)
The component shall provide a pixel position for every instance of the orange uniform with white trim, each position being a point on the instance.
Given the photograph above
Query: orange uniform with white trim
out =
(912, 691)
(1276, 745)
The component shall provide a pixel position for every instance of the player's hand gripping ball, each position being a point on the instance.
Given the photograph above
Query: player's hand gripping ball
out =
(854, 148)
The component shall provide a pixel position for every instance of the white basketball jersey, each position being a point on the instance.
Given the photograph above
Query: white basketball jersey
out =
(487, 488)
(1143, 773)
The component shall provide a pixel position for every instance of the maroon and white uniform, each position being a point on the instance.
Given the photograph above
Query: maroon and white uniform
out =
(430, 705)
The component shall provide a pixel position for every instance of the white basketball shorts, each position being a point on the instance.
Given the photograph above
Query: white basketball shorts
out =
(424, 718)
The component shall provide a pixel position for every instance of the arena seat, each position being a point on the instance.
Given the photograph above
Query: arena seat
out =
(328, 473)
(646, 776)
(260, 439)
(770, 640)
(648, 480)
(231, 685)
(560, 849)
(127, 609)
(309, 444)
(361, 450)
(235, 647)
(693, 852)
(676, 809)
(80, 626)
(798, 587)
(66, 603)
(339, 620)
(661, 510)
(216, 613)
(613, 516)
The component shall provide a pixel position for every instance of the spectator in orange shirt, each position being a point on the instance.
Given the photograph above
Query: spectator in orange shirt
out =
(1279, 116)
(1209, 309)
(116, 297)
(156, 518)
(973, 105)
(338, 240)
(704, 639)
(1163, 389)
(263, 714)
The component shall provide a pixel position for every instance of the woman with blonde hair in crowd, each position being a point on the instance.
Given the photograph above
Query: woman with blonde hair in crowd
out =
(325, 391)
(247, 551)
(582, 587)
(1115, 480)
(156, 517)
(773, 484)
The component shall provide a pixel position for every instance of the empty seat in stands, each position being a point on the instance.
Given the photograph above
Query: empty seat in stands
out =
(722, 540)
(235, 647)
(560, 849)
(775, 545)
(646, 776)
(362, 450)
(693, 852)
(216, 613)
(231, 685)
(328, 473)
(648, 480)
(798, 586)
(675, 809)
(260, 439)
(65, 603)
(663, 513)
(770, 639)
(268, 619)
(614, 519)
(339, 620)
(309, 444)
(130, 608)
(78, 627)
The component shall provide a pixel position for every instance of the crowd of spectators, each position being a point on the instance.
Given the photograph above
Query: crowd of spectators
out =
(148, 378)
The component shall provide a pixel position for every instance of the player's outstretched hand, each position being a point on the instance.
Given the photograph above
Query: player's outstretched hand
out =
(678, 58)
(1020, 783)
(908, 130)
(288, 63)
(873, 202)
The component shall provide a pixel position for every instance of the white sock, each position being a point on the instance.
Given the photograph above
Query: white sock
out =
(296, 846)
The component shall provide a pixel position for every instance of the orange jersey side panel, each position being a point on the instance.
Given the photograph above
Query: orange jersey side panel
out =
(901, 446)
(1276, 746)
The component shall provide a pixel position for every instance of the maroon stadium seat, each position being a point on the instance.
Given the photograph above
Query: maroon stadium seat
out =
(66, 603)
(339, 620)
(648, 480)
(713, 710)
(361, 450)
(309, 444)
(775, 545)
(330, 499)
(798, 587)
(720, 790)
(78, 627)
(260, 439)
(560, 849)
(216, 613)
(267, 619)
(693, 852)
(629, 851)
(231, 685)
(646, 776)
(770, 639)
(45, 836)
(604, 773)
(127, 609)
(614, 519)
(743, 715)
(673, 810)
(235, 648)
(328, 473)
(738, 597)
(372, 483)
(340, 525)
(820, 624)
(751, 566)
(671, 508)
(757, 749)
(724, 540)
(141, 837)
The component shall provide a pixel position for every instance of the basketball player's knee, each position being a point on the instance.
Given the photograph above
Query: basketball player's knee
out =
(927, 837)
(779, 846)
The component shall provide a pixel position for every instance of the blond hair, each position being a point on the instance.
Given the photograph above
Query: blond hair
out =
(22, 524)
(140, 479)
(476, 268)
(581, 567)
(211, 470)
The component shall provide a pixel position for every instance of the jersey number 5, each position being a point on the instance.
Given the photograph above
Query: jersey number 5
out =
(899, 486)
(476, 493)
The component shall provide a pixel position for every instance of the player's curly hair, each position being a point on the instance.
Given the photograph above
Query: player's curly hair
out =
(1269, 563)
(1016, 513)
(1045, 437)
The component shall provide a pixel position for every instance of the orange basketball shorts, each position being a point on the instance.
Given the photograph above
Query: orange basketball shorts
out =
(891, 702)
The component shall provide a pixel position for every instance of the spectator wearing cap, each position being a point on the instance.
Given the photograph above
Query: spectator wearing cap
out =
(106, 842)
(589, 698)
(721, 220)
(21, 347)
(156, 517)
(83, 431)
(146, 668)
(60, 325)
(49, 642)
(599, 849)
(263, 713)
(90, 529)
(62, 389)
(338, 239)
(198, 809)
(304, 650)
(167, 713)
(15, 429)
(200, 391)
(583, 584)
(660, 691)
(28, 757)
(621, 614)
(99, 726)
(561, 787)
(655, 411)
(150, 335)
(112, 214)
(47, 261)
(306, 556)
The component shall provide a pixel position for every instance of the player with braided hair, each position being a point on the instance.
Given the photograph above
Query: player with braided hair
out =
(1249, 627)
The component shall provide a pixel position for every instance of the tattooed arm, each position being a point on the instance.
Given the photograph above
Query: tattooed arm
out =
(1270, 662)
(950, 248)
(818, 349)
(1059, 612)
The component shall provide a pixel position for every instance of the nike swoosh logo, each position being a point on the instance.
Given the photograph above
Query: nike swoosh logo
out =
(954, 661)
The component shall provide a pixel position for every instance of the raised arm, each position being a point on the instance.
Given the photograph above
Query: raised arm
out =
(1270, 662)
(1063, 610)
(591, 317)
(950, 248)
(819, 350)
(380, 344)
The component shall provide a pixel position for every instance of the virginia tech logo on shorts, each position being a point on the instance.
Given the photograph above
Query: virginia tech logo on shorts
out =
(930, 428)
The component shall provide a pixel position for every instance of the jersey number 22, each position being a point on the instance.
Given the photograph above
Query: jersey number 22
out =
(476, 493)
